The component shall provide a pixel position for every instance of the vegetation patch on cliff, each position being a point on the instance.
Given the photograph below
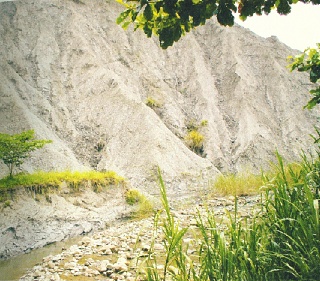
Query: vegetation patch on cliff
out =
(42, 182)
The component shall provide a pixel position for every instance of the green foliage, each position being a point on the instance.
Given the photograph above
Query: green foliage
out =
(14, 149)
(100, 145)
(193, 125)
(246, 183)
(151, 102)
(171, 19)
(7, 203)
(293, 225)
(173, 243)
(133, 196)
(145, 209)
(309, 61)
(281, 242)
(204, 123)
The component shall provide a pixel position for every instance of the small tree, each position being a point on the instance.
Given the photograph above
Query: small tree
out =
(15, 148)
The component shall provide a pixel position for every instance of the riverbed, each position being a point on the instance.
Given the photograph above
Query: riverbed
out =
(114, 252)
(14, 268)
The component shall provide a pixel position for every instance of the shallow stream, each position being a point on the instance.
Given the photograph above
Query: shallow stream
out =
(13, 269)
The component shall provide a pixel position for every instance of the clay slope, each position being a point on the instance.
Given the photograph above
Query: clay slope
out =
(69, 72)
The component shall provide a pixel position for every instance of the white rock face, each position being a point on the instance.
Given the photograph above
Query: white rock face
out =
(29, 224)
(69, 72)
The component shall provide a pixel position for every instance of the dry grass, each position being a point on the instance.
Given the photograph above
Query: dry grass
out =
(244, 183)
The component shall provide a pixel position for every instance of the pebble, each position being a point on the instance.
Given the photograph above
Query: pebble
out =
(115, 253)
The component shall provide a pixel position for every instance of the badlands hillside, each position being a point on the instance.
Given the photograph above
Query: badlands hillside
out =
(75, 77)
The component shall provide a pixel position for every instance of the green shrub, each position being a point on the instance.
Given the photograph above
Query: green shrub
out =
(194, 138)
(145, 209)
(204, 123)
(151, 102)
(175, 262)
(144, 206)
(195, 141)
(192, 125)
(7, 203)
(133, 196)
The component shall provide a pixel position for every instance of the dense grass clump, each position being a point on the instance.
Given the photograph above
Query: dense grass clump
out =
(152, 103)
(281, 242)
(247, 183)
(244, 183)
(43, 182)
(144, 207)
(291, 219)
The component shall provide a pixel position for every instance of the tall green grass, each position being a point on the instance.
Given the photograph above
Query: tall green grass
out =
(175, 254)
(281, 242)
(292, 221)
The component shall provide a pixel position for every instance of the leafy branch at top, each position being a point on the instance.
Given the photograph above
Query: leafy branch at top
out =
(171, 19)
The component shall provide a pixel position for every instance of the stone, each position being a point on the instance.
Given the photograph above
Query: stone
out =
(91, 272)
(105, 250)
(102, 266)
(37, 273)
(122, 260)
(70, 265)
(86, 241)
(89, 261)
(51, 264)
(55, 277)
(120, 267)
(47, 259)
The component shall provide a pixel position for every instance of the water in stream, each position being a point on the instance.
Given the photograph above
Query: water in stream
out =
(14, 268)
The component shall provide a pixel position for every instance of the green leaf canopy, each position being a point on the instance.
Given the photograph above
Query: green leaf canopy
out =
(15, 148)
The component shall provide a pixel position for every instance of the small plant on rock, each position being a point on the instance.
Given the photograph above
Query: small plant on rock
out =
(7, 203)
(204, 123)
(195, 141)
(151, 102)
(134, 197)
(194, 137)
